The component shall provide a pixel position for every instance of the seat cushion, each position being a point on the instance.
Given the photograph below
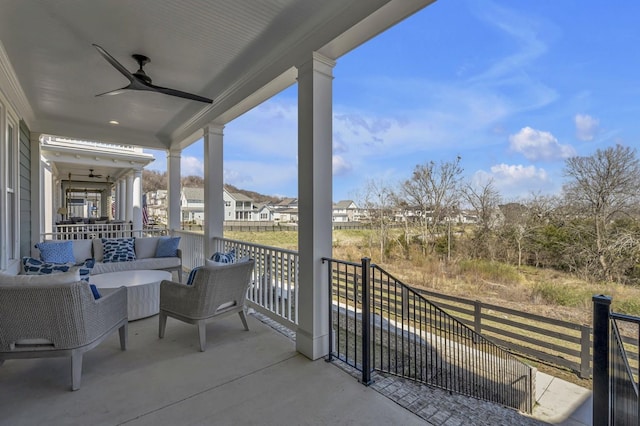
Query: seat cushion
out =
(152, 263)
(59, 278)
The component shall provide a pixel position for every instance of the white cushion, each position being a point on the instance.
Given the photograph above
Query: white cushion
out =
(138, 264)
(60, 278)
(98, 249)
(82, 250)
(146, 247)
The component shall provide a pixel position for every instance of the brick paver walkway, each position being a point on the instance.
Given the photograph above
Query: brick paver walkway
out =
(436, 406)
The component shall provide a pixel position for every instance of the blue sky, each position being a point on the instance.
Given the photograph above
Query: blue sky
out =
(512, 87)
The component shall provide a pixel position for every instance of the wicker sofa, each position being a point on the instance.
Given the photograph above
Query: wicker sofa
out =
(145, 256)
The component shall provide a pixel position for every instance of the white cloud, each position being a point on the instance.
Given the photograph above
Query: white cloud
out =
(341, 166)
(191, 166)
(538, 145)
(515, 181)
(517, 173)
(586, 127)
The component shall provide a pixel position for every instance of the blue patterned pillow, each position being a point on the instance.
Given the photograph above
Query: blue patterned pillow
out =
(118, 250)
(85, 268)
(94, 291)
(192, 275)
(228, 257)
(38, 267)
(56, 251)
(167, 247)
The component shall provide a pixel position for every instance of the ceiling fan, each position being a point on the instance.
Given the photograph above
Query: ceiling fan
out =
(93, 175)
(139, 80)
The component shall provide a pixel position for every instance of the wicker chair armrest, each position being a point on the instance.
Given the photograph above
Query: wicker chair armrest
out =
(112, 306)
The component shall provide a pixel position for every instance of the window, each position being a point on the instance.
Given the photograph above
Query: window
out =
(9, 190)
(264, 216)
(12, 202)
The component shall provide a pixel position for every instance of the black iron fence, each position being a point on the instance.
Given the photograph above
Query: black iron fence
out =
(379, 323)
(616, 400)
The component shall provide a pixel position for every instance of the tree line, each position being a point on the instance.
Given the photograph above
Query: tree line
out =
(591, 228)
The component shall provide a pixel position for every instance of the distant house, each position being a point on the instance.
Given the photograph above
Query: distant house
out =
(157, 205)
(286, 210)
(264, 213)
(192, 205)
(238, 206)
(345, 211)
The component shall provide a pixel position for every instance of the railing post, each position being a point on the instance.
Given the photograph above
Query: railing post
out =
(366, 321)
(477, 316)
(601, 331)
(330, 316)
(585, 351)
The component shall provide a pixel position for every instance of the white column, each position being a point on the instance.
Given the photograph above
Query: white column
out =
(173, 194)
(213, 186)
(122, 209)
(136, 199)
(128, 212)
(37, 189)
(47, 201)
(314, 203)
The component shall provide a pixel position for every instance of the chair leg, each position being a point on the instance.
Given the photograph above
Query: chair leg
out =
(202, 334)
(243, 318)
(76, 369)
(124, 336)
(180, 275)
(162, 324)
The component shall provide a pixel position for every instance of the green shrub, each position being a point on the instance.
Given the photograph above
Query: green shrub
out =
(627, 306)
(555, 294)
(489, 271)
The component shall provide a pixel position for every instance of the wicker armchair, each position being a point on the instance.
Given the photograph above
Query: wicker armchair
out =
(58, 320)
(216, 291)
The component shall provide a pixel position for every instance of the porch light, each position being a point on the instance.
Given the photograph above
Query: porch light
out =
(62, 211)
(114, 122)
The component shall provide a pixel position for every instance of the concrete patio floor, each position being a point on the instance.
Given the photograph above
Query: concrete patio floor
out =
(243, 378)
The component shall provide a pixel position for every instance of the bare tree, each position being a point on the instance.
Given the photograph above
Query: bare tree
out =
(604, 186)
(434, 190)
(483, 198)
(377, 199)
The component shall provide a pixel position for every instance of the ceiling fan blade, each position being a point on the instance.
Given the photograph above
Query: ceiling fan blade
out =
(179, 93)
(114, 63)
(114, 92)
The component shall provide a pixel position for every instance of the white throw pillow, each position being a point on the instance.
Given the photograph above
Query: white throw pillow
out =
(146, 247)
(60, 278)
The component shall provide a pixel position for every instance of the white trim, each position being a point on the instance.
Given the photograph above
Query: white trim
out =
(11, 90)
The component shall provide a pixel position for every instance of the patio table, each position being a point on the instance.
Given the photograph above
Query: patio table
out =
(143, 289)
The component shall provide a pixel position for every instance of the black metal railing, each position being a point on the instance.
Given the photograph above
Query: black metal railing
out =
(616, 400)
(379, 323)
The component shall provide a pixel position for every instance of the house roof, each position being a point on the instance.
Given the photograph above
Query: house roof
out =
(343, 204)
(193, 193)
(236, 53)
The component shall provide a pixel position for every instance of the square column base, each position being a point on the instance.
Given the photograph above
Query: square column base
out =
(312, 347)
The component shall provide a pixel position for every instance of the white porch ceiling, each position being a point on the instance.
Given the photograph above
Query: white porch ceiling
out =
(236, 52)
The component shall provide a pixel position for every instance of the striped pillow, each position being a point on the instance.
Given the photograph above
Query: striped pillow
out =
(228, 257)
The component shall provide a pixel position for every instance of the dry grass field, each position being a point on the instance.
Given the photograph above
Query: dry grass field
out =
(541, 291)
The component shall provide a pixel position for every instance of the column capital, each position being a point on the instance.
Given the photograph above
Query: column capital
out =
(318, 63)
(213, 129)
